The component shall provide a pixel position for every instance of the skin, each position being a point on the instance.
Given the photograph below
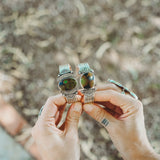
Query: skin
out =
(126, 125)
(126, 122)
(56, 143)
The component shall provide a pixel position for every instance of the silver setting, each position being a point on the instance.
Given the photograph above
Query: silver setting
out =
(66, 75)
(71, 98)
(88, 93)
(70, 94)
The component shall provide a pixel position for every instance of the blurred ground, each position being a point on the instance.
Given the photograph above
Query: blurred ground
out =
(119, 39)
(8, 148)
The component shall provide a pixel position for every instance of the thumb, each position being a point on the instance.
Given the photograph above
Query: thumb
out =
(73, 117)
(99, 114)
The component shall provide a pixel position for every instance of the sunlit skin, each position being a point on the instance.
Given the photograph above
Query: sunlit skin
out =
(56, 143)
(126, 122)
(126, 125)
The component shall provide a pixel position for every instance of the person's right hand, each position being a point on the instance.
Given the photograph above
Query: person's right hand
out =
(53, 142)
(126, 122)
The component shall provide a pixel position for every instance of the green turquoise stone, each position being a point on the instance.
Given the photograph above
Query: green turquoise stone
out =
(67, 84)
(87, 80)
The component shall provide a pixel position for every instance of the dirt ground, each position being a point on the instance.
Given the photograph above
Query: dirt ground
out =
(119, 39)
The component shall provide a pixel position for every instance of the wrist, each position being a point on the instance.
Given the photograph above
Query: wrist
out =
(147, 155)
(140, 152)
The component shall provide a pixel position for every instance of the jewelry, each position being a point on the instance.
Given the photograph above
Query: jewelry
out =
(105, 122)
(124, 89)
(87, 81)
(67, 83)
(40, 112)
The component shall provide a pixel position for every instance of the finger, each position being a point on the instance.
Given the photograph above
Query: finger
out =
(107, 104)
(112, 112)
(112, 107)
(62, 127)
(111, 86)
(73, 116)
(114, 98)
(61, 109)
(53, 108)
(127, 104)
(80, 93)
(98, 113)
(108, 87)
(104, 87)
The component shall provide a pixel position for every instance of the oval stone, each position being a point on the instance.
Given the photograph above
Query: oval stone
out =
(87, 80)
(67, 84)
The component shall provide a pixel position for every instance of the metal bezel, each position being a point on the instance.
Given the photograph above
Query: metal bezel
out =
(82, 72)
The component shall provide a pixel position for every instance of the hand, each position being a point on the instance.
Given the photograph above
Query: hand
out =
(126, 122)
(58, 143)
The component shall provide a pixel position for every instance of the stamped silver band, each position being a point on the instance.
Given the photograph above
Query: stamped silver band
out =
(71, 100)
(63, 69)
(84, 68)
(88, 95)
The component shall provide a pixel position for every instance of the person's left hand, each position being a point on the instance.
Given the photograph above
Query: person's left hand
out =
(58, 143)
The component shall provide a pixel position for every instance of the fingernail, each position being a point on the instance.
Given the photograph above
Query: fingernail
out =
(77, 107)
